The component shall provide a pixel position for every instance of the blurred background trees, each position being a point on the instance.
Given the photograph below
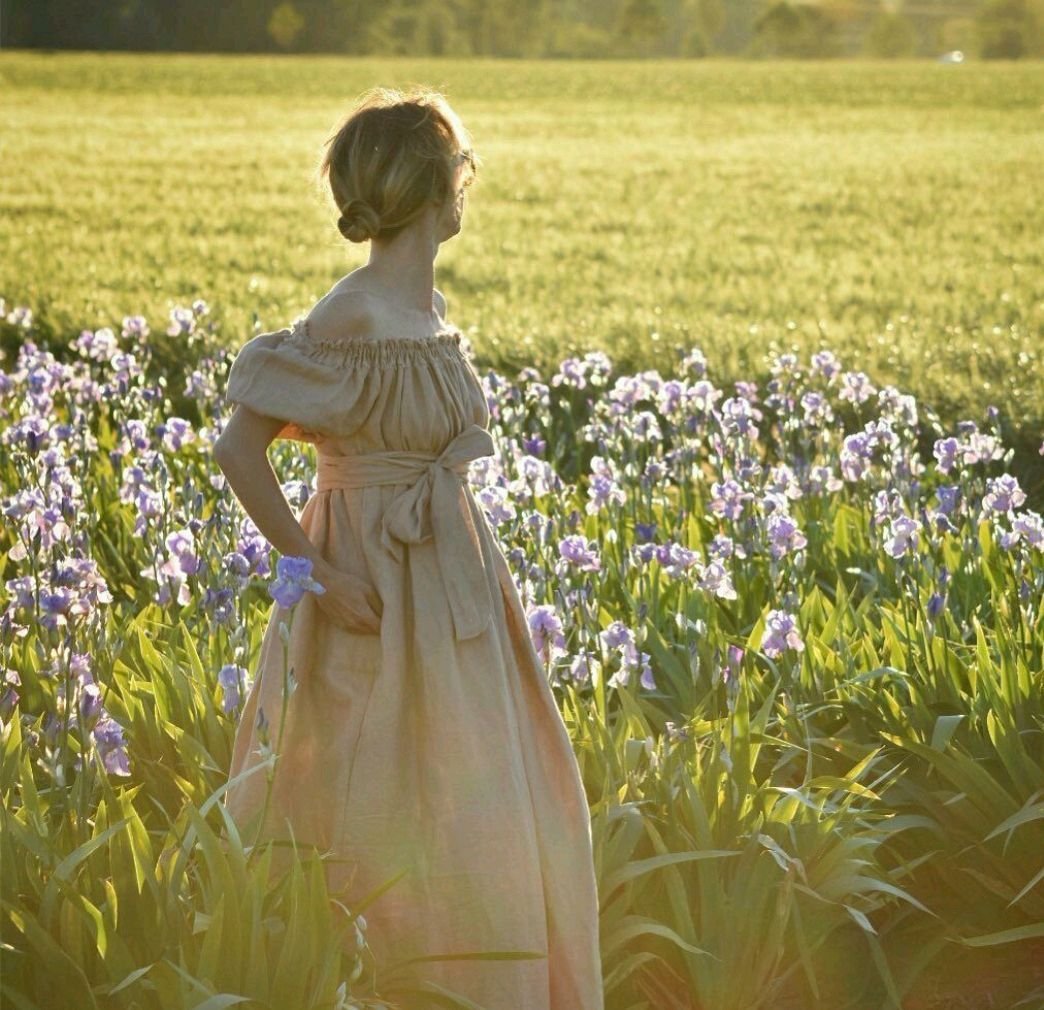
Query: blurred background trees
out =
(1008, 29)
(1005, 29)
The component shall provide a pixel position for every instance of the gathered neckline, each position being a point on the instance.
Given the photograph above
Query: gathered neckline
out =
(448, 332)
(385, 352)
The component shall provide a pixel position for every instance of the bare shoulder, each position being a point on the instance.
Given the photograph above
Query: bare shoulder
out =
(344, 314)
(440, 302)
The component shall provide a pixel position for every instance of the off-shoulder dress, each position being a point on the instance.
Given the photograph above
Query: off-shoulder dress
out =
(436, 746)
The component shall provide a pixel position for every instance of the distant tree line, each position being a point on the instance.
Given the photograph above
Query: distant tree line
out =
(533, 28)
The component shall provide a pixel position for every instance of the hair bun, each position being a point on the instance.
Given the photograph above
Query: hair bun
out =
(358, 221)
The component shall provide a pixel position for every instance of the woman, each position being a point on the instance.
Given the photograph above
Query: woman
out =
(423, 737)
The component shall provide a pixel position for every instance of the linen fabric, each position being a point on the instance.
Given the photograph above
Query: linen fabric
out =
(435, 748)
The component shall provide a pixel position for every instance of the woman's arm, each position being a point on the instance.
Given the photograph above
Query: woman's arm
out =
(241, 453)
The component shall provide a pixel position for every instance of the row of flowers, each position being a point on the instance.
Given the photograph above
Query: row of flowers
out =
(680, 492)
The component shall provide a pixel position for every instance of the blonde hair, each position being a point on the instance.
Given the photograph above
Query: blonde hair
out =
(390, 156)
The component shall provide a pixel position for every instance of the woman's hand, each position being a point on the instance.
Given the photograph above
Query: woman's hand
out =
(349, 601)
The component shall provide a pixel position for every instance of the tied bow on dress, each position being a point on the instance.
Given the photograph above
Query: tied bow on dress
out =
(434, 506)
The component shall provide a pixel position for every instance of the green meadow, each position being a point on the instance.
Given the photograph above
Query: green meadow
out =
(805, 697)
(889, 210)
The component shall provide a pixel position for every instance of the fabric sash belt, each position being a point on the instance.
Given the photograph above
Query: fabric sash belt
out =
(434, 506)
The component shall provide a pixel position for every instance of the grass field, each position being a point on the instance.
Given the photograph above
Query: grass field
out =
(804, 693)
(885, 209)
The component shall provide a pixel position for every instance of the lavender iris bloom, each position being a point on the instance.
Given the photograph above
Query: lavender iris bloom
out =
(903, 536)
(715, 579)
(949, 495)
(1030, 527)
(112, 748)
(229, 677)
(293, 580)
(576, 550)
(545, 628)
(784, 535)
(781, 633)
(1003, 494)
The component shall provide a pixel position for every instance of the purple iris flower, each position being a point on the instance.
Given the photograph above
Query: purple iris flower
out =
(545, 628)
(293, 579)
(230, 678)
(654, 472)
(721, 547)
(112, 748)
(784, 535)
(781, 633)
(582, 668)
(676, 560)
(1003, 494)
(856, 453)
(826, 364)
(1030, 527)
(579, 552)
(856, 386)
(534, 445)
(715, 578)
(949, 495)
(603, 491)
(727, 498)
(902, 537)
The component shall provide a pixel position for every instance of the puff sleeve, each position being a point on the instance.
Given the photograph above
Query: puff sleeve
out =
(276, 374)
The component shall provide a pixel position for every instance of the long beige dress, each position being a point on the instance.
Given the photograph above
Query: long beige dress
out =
(435, 747)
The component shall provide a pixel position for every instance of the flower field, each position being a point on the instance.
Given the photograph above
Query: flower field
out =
(794, 623)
